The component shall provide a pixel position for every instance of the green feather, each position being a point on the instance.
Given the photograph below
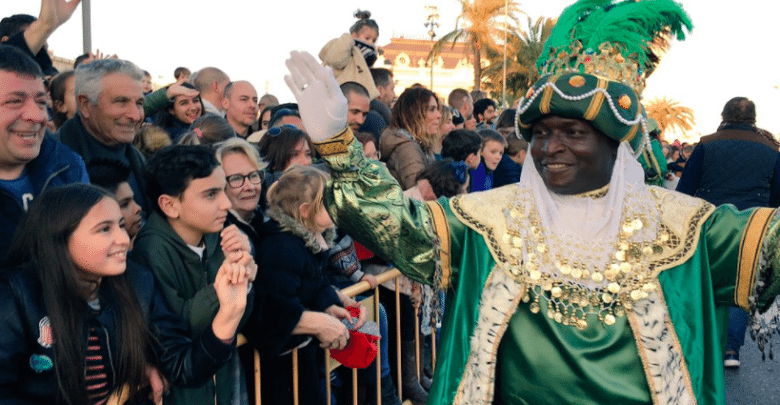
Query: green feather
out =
(630, 25)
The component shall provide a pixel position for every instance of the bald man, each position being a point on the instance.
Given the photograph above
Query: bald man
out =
(240, 104)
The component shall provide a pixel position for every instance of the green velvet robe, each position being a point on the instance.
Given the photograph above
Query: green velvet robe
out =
(666, 350)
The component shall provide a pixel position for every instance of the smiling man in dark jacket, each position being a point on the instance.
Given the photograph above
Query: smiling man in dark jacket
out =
(110, 104)
(30, 161)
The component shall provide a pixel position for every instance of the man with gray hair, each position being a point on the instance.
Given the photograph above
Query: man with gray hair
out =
(110, 102)
(211, 83)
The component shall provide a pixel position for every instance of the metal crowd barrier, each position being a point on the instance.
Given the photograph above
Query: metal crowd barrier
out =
(372, 305)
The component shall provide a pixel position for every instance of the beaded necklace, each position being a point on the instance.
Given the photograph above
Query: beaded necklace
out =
(578, 278)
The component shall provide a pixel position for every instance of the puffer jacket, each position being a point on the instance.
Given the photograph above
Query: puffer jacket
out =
(735, 165)
(27, 374)
(404, 156)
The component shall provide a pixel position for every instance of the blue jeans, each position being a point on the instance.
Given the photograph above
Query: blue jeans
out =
(383, 347)
(738, 321)
(383, 332)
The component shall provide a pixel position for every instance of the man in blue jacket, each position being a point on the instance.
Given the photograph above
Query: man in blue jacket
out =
(30, 160)
(740, 166)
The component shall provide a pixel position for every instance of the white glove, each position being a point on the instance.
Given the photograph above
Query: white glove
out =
(322, 106)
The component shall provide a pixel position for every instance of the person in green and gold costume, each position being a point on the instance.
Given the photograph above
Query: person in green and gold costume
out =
(580, 284)
(652, 158)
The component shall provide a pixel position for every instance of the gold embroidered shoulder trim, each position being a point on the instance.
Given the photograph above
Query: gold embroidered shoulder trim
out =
(750, 253)
(441, 228)
(335, 145)
(681, 217)
(463, 206)
(678, 221)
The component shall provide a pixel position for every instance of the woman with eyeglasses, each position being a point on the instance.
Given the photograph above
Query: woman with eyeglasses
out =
(407, 144)
(244, 174)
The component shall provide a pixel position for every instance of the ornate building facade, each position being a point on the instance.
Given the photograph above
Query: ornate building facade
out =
(407, 58)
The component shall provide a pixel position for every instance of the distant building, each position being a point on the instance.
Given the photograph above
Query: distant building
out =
(407, 57)
(60, 63)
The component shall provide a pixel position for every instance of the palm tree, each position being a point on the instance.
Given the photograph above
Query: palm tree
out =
(480, 24)
(670, 114)
(523, 49)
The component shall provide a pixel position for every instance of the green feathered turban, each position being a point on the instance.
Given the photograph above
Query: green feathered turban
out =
(600, 54)
(611, 107)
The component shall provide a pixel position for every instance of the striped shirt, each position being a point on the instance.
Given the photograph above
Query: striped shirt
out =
(96, 377)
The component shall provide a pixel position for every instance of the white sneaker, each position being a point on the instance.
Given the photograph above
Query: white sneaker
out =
(731, 359)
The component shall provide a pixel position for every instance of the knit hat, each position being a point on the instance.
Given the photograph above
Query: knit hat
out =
(599, 55)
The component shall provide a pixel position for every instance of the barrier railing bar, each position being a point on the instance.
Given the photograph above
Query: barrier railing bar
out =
(258, 401)
(295, 377)
(417, 340)
(378, 351)
(400, 384)
(353, 291)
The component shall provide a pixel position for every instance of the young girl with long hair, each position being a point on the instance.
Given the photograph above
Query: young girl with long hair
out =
(81, 325)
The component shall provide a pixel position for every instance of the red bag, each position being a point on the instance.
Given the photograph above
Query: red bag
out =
(362, 252)
(361, 349)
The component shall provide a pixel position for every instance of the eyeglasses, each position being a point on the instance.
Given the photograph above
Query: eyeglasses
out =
(237, 180)
(276, 131)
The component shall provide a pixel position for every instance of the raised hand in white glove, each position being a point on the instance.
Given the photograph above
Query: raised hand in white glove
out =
(322, 106)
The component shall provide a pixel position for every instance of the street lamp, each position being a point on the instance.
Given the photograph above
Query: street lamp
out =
(86, 25)
(433, 15)
(506, 28)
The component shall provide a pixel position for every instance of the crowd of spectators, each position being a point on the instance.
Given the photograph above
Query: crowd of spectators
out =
(157, 225)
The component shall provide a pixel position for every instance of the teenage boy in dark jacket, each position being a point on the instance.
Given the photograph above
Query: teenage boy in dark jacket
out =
(184, 244)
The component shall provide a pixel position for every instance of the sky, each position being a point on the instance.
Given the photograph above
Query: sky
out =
(730, 52)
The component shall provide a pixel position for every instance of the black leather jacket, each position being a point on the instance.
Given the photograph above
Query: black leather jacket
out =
(27, 375)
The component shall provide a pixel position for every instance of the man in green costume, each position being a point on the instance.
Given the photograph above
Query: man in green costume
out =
(579, 284)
